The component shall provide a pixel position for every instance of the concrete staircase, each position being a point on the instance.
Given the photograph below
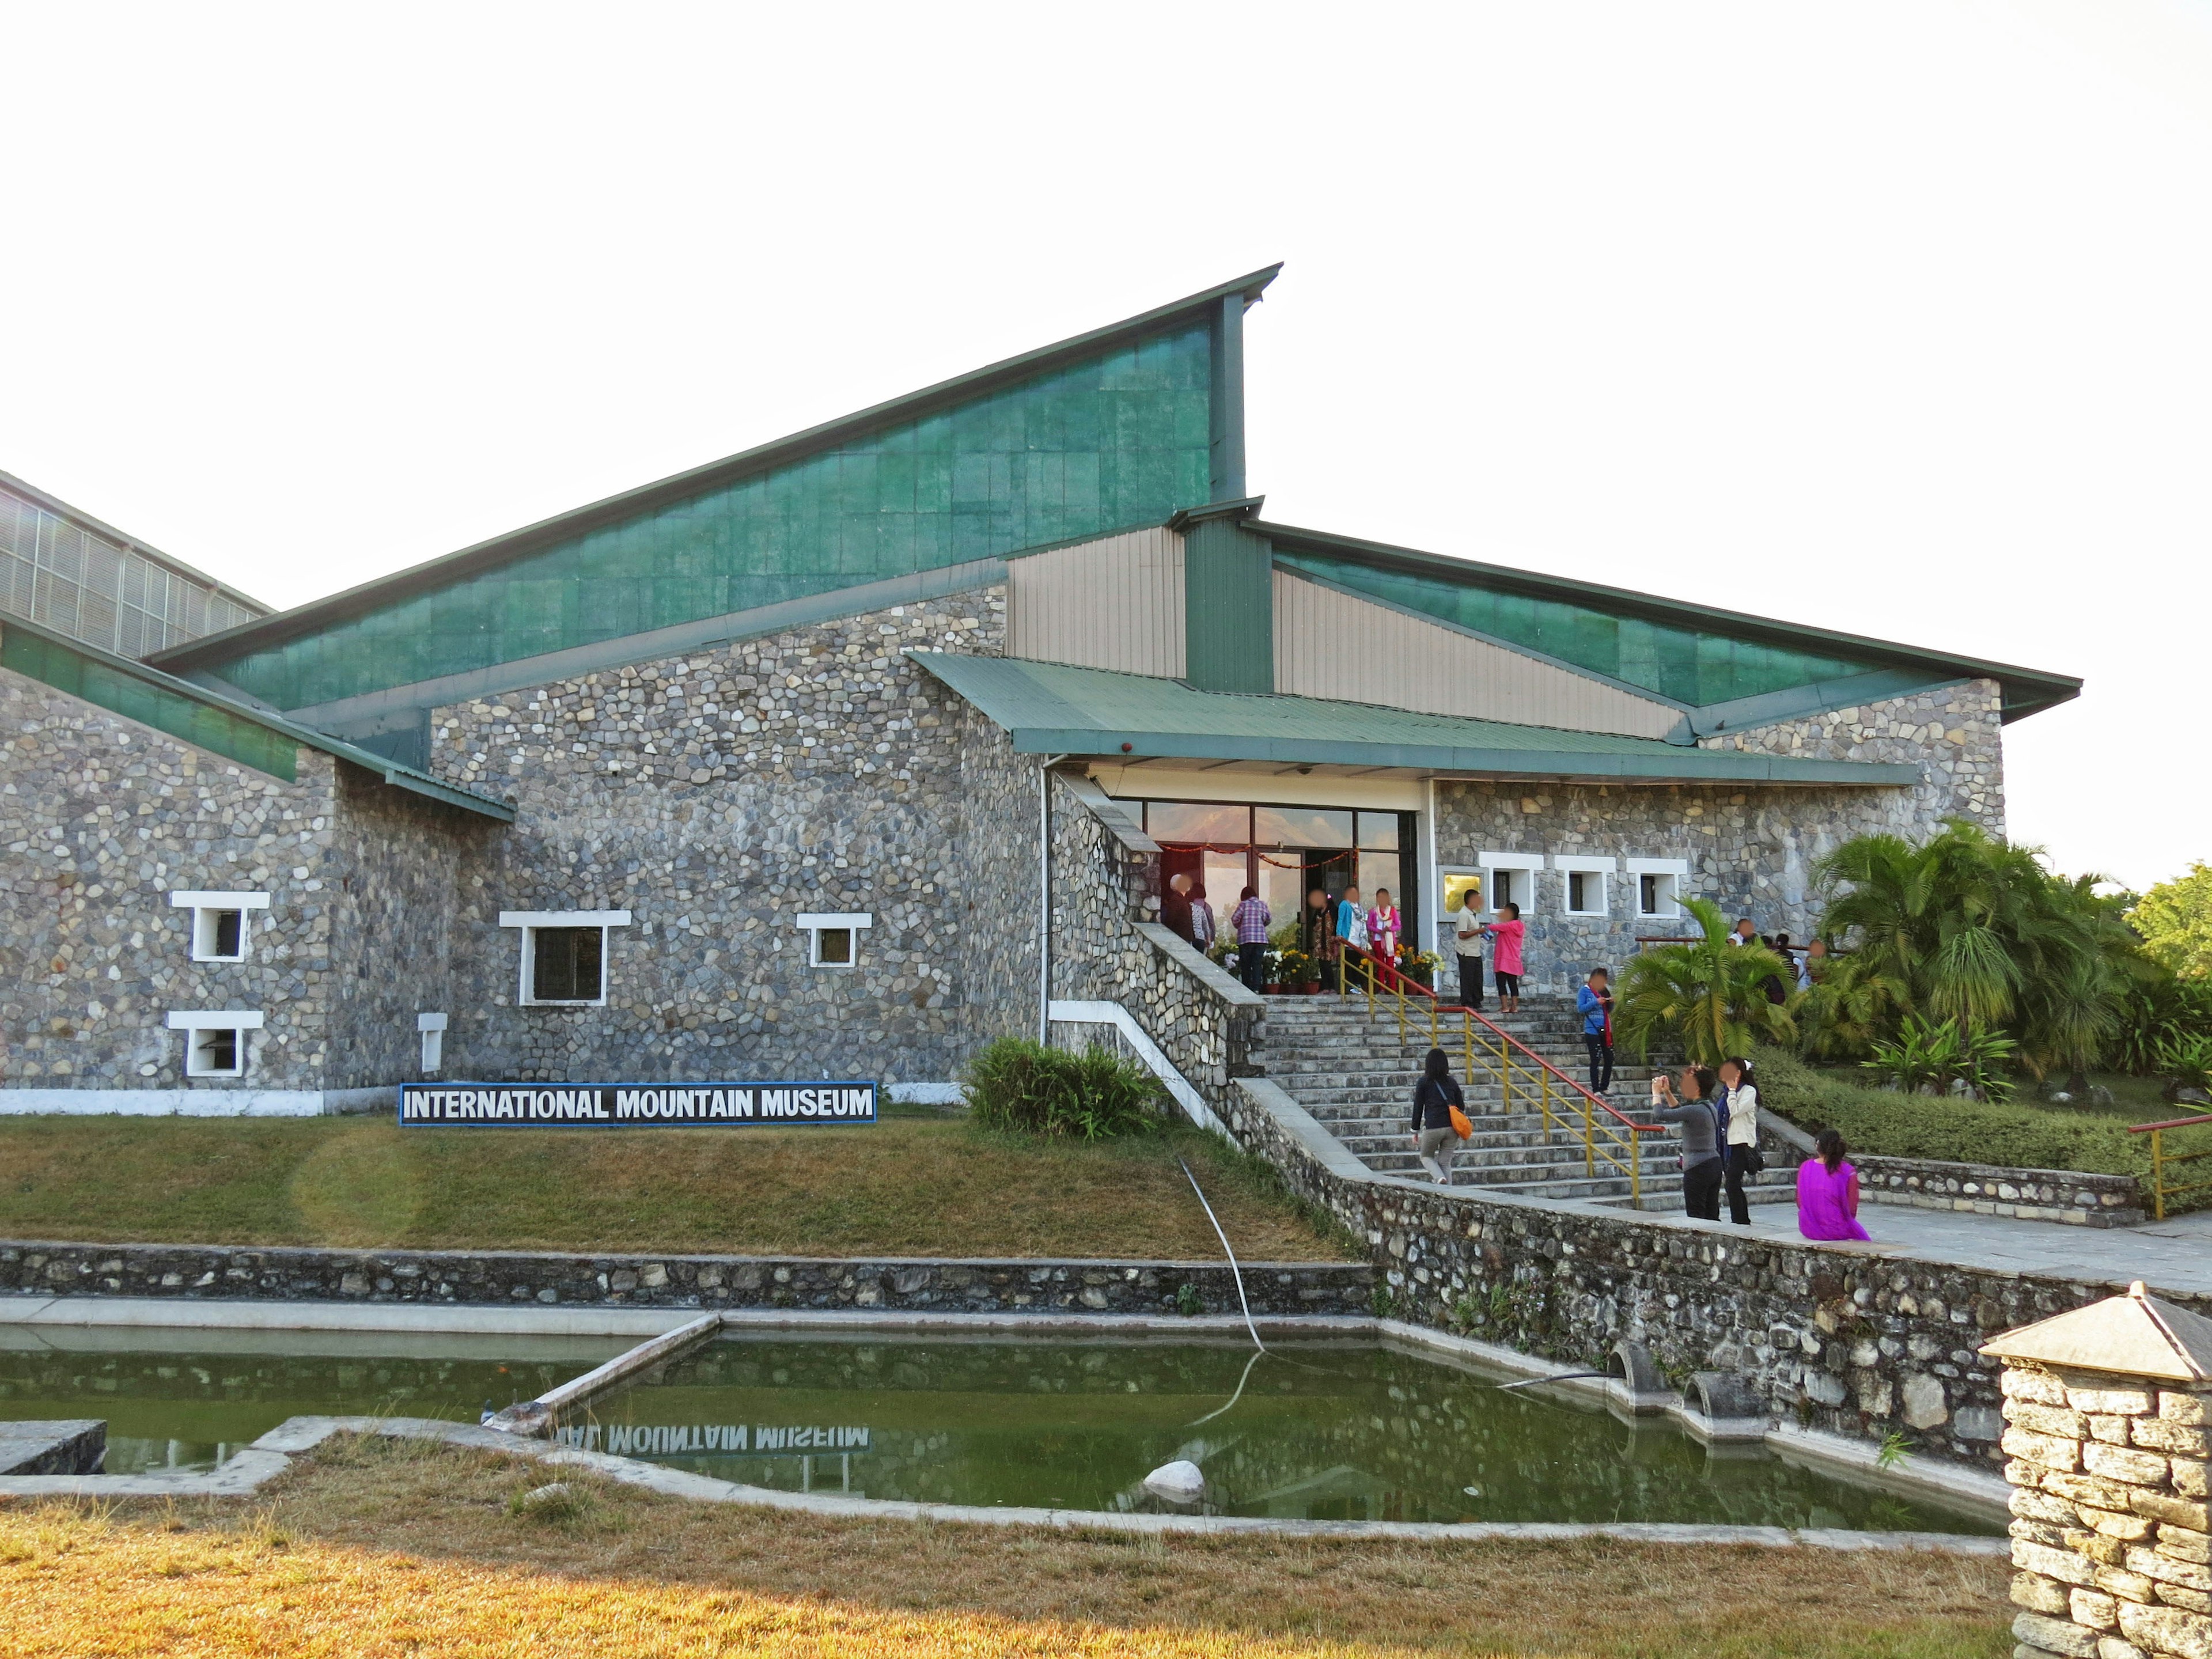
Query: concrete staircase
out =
(1356, 1077)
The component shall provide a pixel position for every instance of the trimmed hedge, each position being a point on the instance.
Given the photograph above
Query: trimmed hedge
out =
(1953, 1131)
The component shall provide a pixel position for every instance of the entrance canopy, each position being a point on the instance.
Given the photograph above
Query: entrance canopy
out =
(1057, 709)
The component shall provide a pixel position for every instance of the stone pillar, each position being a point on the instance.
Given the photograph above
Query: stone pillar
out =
(2108, 1414)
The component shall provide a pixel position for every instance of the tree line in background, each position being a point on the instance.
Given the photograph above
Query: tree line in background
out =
(1956, 966)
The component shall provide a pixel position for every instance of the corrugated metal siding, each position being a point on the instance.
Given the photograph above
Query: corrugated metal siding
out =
(1114, 603)
(1331, 645)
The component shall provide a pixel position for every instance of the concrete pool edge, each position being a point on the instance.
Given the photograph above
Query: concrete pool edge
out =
(272, 1454)
(1984, 1497)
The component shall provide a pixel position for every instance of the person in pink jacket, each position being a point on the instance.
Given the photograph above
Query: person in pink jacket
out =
(1506, 938)
(1828, 1191)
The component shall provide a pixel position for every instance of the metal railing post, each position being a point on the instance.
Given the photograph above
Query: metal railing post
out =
(1589, 1143)
(2157, 1176)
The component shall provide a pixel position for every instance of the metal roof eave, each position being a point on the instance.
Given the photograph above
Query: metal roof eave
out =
(1678, 765)
(2037, 689)
(318, 613)
(62, 509)
(390, 771)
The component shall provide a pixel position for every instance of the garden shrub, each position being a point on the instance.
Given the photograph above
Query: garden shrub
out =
(1944, 1127)
(1022, 1085)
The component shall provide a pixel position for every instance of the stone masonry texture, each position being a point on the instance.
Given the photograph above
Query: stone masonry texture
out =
(1750, 849)
(186, 1271)
(2111, 1531)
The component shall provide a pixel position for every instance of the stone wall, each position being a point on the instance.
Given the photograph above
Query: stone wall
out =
(2086, 1200)
(716, 795)
(101, 819)
(1210, 1027)
(222, 1272)
(1852, 1340)
(1750, 849)
(2111, 1531)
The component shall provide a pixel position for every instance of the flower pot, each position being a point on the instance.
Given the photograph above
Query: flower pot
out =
(1274, 991)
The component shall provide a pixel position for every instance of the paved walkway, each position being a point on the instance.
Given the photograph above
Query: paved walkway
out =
(2175, 1255)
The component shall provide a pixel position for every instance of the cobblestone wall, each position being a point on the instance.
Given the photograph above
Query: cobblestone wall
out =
(715, 796)
(499, 1277)
(1750, 849)
(1210, 1027)
(101, 819)
(1831, 1337)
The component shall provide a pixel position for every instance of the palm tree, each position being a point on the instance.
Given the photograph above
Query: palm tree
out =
(1710, 996)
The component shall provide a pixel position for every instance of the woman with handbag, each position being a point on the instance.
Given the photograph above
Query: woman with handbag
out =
(1440, 1120)
(1739, 1116)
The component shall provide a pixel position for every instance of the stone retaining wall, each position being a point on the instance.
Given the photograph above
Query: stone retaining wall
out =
(1857, 1341)
(2083, 1201)
(501, 1278)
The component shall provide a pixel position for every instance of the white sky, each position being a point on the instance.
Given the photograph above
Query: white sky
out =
(1894, 318)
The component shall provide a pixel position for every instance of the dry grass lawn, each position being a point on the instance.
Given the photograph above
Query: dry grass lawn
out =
(376, 1549)
(909, 1186)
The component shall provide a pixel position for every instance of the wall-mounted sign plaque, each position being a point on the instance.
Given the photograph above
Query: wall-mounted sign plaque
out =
(634, 1105)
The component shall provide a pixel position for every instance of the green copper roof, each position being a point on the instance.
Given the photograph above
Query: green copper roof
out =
(252, 736)
(1695, 656)
(1110, 430)
(1054, 709)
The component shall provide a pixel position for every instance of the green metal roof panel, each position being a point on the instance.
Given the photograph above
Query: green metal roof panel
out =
(1055, 708)
(1689, 653)
(252, 736)
(1108, 431)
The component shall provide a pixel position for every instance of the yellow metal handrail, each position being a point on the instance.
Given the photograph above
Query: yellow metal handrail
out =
(1608, 1135)
(2159, 1192)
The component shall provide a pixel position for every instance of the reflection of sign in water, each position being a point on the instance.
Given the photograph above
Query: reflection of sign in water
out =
(616, 1105)
(705, 1439)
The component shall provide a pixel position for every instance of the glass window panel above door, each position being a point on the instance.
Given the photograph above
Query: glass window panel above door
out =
(1378, 832)
(1191, 824)
(1301, 826)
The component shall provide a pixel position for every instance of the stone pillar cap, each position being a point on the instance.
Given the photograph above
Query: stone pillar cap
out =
(2135, 1335)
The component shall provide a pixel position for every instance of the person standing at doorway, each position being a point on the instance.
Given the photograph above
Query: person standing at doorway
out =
(1351, 936)
(1505, 935)
(1384, 926)
(1202, 930)
(1320, 935)
(1251, 919)
(1175, 907)
(1466, 929)
(1595, 1000)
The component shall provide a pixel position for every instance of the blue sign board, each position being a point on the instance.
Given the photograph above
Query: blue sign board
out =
(634, 1105)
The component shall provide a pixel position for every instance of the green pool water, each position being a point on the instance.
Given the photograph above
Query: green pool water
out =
(187, 1398)
(1335, 1429)
(1343, 1430)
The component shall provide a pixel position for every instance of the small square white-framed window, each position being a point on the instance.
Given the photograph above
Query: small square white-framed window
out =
(431, 1028)
(1510, 879)
(833, 937)
(1658, 884)
(215, 1039)
(220, 932)
(1586, 884)
(564, 955)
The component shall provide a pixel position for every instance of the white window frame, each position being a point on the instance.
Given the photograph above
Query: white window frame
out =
(204, 908)
(815, 923)
(1585, 864)
(433, 1029)
(1526, 864)
(531, 921)
(1677, 871)
(194, 1021)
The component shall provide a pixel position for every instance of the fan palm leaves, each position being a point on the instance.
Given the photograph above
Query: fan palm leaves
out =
(1710, 996)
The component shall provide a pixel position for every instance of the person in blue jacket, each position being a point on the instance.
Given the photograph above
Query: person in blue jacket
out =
(1594, 999)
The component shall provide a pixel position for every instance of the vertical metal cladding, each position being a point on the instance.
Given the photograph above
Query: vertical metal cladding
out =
(1116, 603)
(1229, 608)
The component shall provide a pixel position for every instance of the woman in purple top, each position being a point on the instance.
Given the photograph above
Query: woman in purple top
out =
(1828, 1191)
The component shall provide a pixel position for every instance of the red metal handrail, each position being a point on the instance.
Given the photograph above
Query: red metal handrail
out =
(2176, 1123)
(1597, 1100)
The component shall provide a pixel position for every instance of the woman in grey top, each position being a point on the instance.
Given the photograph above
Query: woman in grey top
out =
(1688, 1105)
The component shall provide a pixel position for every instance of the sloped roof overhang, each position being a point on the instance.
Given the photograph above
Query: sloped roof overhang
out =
(1058, 709)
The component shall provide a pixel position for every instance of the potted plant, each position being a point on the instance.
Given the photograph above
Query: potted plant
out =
(1293, 970)
(1420, 966)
